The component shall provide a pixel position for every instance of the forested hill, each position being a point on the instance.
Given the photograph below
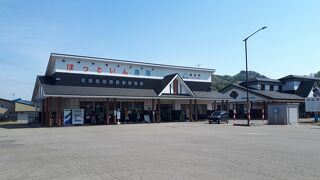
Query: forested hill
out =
(221, 81)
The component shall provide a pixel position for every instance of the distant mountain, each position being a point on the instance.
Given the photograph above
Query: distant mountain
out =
(221, 81)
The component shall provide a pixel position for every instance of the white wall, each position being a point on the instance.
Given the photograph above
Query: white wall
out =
(157, 72)
(242, 96)
(267, 87)
(208, 103)
(26, 117)
(181, 88)
(177, 104)
(256, 86)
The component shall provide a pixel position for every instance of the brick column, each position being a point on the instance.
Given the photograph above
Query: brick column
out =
(47, 119)
(59, 111)
(265, 110)
(190, 110)
(43, 111)
(153, 111)
(234, 111)
(251, 107)
(115, 108)
(159, 111)
(237, 109)
(227, 103)
(222, 105)
(107, 112)
(195, 110)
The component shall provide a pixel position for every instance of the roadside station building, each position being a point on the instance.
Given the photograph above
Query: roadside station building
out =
(89, 90)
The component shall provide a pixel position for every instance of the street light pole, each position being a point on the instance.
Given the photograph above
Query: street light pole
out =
(247, 90)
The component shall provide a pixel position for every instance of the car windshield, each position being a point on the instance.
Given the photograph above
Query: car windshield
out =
(217, 113)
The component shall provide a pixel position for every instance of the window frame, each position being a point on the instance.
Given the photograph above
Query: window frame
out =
(83, 80)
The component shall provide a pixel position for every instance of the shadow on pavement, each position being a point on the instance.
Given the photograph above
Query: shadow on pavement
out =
(20, 126)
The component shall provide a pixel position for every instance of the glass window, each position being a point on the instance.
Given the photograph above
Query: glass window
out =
(148, 73)
(104, 81)
(136, 72)
(97, 81)
(129, 83)
(136, 83)
(90, 81)
(117, 82)
(141, 83)
(123, 82)
(83, 80)
(271, 88)
(110, 81)
(262, 87)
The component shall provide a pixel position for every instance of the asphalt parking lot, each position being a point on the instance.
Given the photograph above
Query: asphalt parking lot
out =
(161, 151)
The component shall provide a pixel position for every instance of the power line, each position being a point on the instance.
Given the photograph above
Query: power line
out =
(21, 67)
(15, 81)
(16, 84)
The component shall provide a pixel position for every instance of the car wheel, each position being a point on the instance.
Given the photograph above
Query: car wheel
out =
(227, 121)
(210, 122)
(219, 121)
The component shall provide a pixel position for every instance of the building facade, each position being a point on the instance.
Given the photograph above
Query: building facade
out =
(106, 91)
(263, 92)
(259, 100)
(25, 111)
(302, 86)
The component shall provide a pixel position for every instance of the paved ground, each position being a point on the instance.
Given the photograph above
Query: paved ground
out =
(161, 151)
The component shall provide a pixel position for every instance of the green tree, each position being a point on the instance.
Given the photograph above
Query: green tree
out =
(317, 74)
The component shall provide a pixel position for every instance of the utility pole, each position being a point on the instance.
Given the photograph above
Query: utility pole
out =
(246, 55)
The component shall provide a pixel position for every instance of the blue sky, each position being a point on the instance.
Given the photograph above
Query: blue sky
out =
(177, 32)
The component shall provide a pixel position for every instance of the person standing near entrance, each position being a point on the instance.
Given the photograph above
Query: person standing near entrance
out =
(187, 114)
(101, 118)
(126, 115)
(93, 119)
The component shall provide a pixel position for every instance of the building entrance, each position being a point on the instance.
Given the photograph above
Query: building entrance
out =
(166, 112)
(94, 112)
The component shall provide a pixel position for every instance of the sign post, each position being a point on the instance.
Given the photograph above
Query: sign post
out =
(67, 116)
(118, 113)
(312, 104)
(77, 116)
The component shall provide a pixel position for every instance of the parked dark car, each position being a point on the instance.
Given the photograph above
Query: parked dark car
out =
(218, 117)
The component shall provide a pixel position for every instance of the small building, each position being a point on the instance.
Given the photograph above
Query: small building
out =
(25, 111)
(283, 114)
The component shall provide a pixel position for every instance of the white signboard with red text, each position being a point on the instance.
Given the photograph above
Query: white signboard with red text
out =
(118, 68)
(312, 104)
